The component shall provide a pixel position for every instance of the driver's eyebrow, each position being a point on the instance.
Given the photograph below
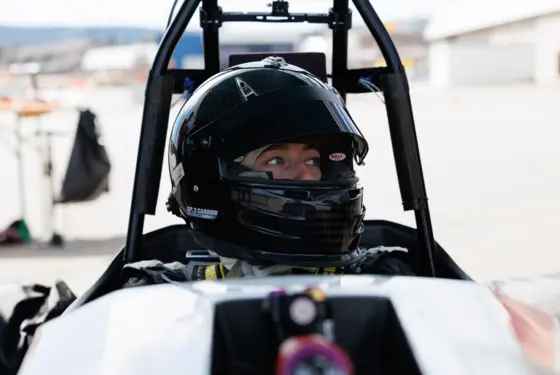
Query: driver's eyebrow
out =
(284, 146)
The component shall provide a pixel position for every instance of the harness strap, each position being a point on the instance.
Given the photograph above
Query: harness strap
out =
(217, 271)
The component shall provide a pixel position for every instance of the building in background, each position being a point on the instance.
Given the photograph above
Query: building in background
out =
(260, 37)
(188, 53)
(363, 51)
(120, 64)
(50, 58)
(409, 41)
(480, 43)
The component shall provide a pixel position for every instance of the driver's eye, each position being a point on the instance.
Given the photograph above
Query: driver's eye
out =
(315, 161)
(275, 161)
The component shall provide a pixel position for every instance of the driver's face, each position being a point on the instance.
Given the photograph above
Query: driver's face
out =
(290, 161)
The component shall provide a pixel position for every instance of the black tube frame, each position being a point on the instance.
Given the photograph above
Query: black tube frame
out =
(163, 82)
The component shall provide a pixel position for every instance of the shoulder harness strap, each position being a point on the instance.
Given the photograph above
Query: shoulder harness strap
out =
(199, 272)
(217, 271)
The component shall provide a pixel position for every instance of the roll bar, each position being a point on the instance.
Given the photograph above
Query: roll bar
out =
(391, 80)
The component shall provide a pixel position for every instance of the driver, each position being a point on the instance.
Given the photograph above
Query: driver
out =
(261, 159)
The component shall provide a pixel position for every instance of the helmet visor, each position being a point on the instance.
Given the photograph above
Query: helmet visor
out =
(279, 116)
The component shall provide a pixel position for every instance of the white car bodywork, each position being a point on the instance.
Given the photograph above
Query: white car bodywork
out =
(453, 327)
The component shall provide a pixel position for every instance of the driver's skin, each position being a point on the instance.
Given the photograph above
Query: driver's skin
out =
(289, 161)
(294, 161)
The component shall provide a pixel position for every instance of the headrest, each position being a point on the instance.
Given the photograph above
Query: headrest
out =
(314, 62)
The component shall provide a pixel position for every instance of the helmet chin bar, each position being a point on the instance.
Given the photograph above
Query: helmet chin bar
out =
(163, 82)
(256, 175)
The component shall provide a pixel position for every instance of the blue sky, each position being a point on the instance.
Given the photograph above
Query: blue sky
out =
(153, 13)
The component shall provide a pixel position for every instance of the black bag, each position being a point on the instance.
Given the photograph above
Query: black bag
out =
(87, 176)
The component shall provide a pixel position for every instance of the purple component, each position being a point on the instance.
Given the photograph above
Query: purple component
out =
(310, 350)
(277, 293)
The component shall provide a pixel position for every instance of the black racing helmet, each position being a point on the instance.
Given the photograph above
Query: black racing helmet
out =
(251, 215)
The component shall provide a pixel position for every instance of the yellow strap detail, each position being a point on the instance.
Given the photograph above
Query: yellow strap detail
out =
(210, 272)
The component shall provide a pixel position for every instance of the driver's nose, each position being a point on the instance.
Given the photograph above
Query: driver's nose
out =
(304, 173)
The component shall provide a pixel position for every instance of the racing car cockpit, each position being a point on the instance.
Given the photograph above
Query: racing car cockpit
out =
(283, 324)
(174, 243)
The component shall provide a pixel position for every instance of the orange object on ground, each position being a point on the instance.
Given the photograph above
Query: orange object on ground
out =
(27, 108)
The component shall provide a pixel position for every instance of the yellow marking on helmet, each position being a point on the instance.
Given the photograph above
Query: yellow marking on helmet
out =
(329, 270)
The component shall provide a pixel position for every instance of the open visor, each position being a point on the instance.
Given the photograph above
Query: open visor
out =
(279, 116)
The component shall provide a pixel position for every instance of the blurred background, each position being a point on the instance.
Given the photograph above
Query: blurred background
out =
(485, 87)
